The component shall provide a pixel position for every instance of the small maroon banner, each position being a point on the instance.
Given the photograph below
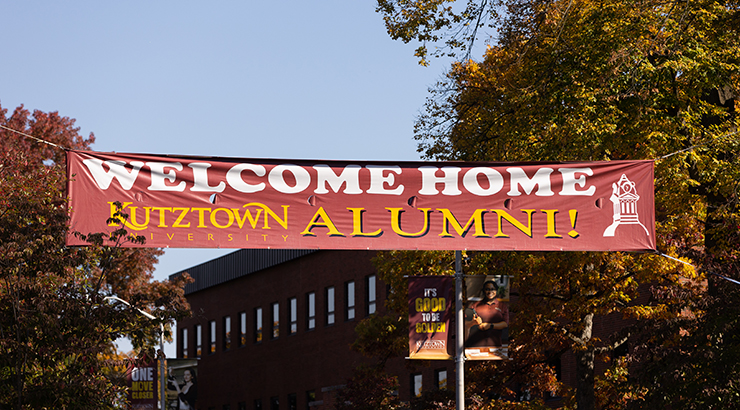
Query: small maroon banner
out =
(205, 202)
(486, 317)
(142, 382)
(430, 310)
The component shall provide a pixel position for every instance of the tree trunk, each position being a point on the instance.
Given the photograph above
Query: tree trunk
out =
(585, 354)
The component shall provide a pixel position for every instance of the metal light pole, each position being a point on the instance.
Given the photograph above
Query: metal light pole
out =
(460, 348)
(162, 358)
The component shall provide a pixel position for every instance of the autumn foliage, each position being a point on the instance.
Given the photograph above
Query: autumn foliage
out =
(600, 80)
(56, 329)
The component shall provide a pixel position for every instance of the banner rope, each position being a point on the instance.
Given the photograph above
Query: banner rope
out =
(688, 264)
(691, 148)
(34, 138)
(660, 158)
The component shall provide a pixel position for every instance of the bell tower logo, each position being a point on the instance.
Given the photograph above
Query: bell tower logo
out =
(624, 198)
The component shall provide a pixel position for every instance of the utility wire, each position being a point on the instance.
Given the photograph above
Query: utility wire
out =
(663, 157)
(710, 272)
(691, 148)
(34, 138)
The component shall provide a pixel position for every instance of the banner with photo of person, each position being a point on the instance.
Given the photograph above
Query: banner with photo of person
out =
(182, 384)
(487, 317)
(430, 309)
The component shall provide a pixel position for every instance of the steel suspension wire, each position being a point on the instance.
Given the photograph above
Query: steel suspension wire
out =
(688, 264)
(34, 138)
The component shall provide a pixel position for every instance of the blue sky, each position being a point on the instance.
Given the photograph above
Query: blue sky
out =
(290, 79)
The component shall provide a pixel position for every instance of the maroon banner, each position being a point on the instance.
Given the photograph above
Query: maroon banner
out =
(486, 317)
(430, 310)
(187, 202)
(142, 382)
(182, 384)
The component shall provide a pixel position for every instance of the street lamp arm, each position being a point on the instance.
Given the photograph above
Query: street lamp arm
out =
(117, 299)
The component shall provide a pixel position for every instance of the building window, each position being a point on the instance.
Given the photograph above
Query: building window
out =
(184, 338)
(310, 398)
(243, 330)
(242, 405)
(349, 304)
(372, 295)
(293, 315)
(258, 325)
(274, 403)
(292, 402)
(198, 340)
(226, 407)
(258, 404)
(212, 337)
(441, 378)
(311, 310)
(227, 333)
(330, 305)
(275, 320)
(416, 385)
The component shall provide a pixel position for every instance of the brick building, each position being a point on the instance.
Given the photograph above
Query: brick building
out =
(272, 329)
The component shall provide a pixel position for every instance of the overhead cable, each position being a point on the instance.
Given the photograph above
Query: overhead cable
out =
(686, 263)
(34, 138)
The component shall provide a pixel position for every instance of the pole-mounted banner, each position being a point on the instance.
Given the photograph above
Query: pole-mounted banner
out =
(487, 317)
(430, 311)
(207, 202)
(141, 380)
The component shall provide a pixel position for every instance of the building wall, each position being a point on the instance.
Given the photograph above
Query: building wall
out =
(315, 360)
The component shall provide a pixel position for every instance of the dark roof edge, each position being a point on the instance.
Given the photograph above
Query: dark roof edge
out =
(235, 265)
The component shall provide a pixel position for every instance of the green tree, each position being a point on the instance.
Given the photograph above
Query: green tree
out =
(585, 80)
(56, 329)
